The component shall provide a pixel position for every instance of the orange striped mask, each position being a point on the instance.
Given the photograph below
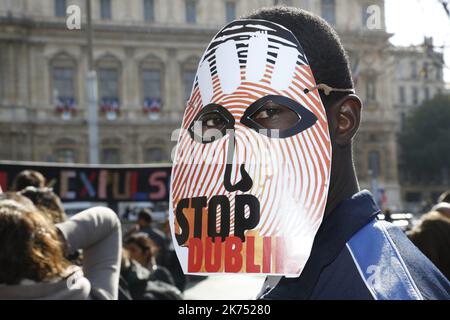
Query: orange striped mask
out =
(252, 164)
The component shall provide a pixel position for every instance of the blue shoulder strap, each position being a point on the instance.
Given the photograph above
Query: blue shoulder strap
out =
(380, 264)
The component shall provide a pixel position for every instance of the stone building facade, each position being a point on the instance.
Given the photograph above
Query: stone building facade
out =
(418, 76)
(146, 53)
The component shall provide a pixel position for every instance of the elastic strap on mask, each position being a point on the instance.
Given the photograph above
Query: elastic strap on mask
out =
(327, 89)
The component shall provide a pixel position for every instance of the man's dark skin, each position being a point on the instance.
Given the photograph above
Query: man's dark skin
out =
(343, 121)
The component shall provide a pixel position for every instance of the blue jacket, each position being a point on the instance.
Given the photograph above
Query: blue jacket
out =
(355, 256)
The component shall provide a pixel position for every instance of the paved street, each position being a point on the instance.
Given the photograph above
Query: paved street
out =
(226, 287)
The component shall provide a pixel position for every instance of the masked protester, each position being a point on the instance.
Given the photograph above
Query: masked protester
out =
(263, 178)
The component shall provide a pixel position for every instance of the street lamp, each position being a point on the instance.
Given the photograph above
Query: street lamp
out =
(91, 91)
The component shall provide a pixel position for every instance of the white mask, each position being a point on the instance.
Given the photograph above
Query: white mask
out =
(252, 166)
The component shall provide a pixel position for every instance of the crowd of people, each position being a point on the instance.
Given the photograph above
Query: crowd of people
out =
(46, 255)
(432, 234)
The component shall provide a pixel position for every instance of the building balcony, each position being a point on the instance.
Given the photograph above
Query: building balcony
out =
(124, 115)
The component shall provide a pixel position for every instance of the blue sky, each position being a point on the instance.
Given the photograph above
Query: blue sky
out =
(411, 20)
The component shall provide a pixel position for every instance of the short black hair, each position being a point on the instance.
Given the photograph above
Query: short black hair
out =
(145, 215)
(142, 241)
(326, 55)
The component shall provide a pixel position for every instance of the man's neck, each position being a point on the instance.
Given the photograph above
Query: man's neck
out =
(344, 182)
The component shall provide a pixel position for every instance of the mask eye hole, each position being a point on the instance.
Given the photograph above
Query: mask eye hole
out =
(278, 117)
(212, 120)
(211, 124)
(275, 116)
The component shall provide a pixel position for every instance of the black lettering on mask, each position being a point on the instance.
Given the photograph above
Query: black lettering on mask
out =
(241, 222)
(182, 221)
(198, 204)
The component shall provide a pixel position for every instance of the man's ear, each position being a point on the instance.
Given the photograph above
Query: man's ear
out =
(345, 118)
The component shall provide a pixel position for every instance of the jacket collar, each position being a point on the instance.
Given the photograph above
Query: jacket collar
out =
(336, 229)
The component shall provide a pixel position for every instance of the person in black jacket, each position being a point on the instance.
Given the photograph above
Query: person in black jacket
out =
(142, 250)
(354, 256)
(138, 283)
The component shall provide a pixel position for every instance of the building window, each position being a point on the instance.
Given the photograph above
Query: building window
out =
(364, 16)
(426, 93)
(111, 156)
(399, 70)
(424, 71)
(402, 120)
(151, 88)
(149, 10)
(105, 9)
(65, 155)
(154, 154)
(191, 11)
(63, 83)
(401, 94)
(63, 91)
(438, 73)
(415, 95)
(374, 163)
(109, 86)
(60, 8)
(230, 11)
(413, 69)
(151, 83)
(328, 10)
(188, 81)
(371, 90)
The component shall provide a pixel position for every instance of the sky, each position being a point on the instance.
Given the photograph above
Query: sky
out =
(411, 20)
